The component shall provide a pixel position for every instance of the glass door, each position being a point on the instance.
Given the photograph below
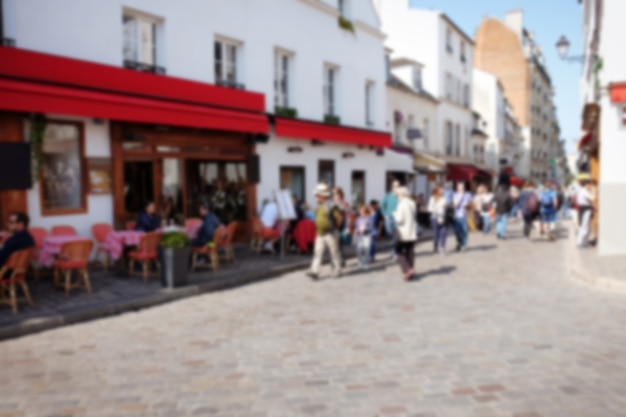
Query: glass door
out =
(138, 186)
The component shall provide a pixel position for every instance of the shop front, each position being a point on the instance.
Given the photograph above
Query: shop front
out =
(107, 140)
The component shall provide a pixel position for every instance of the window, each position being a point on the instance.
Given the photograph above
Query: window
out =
(227, 64)
(397, 128)
(467, 142)
(466, 95)
(326, 171)
(62, 185)
(369, 103)
(449, 138)
(292, 178)
(357, 188)
(457, 147)
(449, 40)
(410, 125)
(463, 57)
(426, 133)
(449, 86)
(417, 79)
(140, 40)
(282, 79)
(458, 96)
(330, 91)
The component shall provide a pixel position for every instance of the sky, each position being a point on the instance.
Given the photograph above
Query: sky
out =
(549, 19)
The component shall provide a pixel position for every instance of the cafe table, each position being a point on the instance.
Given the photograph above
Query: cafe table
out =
(117, 240)
(52, 247)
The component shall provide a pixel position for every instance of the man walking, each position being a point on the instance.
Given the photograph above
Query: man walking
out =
(529, 204)
(504, 204)
(328, 221)
(462, 199)
(390, 203)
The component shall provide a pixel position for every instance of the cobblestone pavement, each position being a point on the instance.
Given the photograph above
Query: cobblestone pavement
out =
(497, 331)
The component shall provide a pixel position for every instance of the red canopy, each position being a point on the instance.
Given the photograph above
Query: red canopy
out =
(303, 129)
(516, 181)
(461, 172)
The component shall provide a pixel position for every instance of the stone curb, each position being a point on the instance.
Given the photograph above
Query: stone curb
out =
(584, 276)
(87, 313)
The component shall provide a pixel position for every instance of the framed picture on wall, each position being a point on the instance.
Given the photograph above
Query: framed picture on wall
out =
(62, 177)
(99, 170)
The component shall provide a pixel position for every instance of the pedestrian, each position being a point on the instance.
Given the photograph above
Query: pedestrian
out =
(548, 211)
(20, 237)
(328, 221)
(504, 203)
(406, 230)
(206, 232)
(390, 203)
(483, 202)
(379, 223)
(344, 232)
(363, 231)
(529, 205)
(462, 201)
(515, 208)
(584, 199)
(437, 209)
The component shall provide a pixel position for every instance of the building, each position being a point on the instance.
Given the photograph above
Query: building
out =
(509, 51)
(489, 101)
(412, 111)
(447, 74)
(130, 102)
(603, 92)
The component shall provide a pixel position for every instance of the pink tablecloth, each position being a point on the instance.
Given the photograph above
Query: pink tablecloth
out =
(52, 247)
(117, 240)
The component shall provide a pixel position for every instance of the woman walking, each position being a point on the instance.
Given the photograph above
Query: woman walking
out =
(406, 229)
(437, 208)
(483, 204)
(363, 231)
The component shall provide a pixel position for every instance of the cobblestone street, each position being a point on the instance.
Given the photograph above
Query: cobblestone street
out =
(498, 331)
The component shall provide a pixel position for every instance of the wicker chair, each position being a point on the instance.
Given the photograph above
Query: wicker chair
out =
(145, 254)
(74, 257)
(18, 264)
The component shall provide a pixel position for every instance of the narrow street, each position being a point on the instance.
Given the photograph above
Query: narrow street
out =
(498, 331)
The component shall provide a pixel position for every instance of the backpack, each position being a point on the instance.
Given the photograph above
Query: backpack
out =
(546, 198)
(532, 204)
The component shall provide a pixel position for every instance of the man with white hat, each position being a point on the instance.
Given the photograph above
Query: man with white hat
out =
(328, 220)
(584, 200)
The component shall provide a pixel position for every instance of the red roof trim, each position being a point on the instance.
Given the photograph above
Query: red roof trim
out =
(618, 92)
(40, 98)
(302, 129)
(36, 66)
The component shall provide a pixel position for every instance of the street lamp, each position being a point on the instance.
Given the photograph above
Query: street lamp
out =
(563, 45)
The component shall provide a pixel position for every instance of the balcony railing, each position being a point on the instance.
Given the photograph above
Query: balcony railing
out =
(231, 84)
(139, 66)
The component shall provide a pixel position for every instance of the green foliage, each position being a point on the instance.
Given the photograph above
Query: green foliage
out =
(175, 240)
(332, 120)
(346, 24)
(37, 132)
(286, 112)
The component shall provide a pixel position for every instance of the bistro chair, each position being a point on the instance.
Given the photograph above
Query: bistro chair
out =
(145, 254)
(39, 234)
(74, 257)
(210, 251)
(226, 242)
(262, 235)
(100, 232)
(63, 230)
(18, 264)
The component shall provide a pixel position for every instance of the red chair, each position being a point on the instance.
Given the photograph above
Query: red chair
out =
(226, 242)
(18, 264)
(145, 253)
(63, 230)
(261, 235)
(38, 234)
(209, 250)
(74, 256)
(100, 231)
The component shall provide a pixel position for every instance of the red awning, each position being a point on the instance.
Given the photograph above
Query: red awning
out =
(461, 172)
(584, 140)
(53, 69)
(293, 128)
(618, 92)
(40, 98)
(516, 181)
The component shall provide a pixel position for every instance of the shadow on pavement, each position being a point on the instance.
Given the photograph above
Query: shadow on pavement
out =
(444, 270)
(481, 248)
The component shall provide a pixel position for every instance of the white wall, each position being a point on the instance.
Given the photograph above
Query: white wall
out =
(100, 207)
(488, 100)
(274, 155)
(410, 104)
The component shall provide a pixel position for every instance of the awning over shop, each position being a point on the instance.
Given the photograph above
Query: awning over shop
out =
(428, 164)
(399, 159)
(62, 71)
(304, 129)
(618, 92)
(584, 139)
(42, 98)
(461, 172)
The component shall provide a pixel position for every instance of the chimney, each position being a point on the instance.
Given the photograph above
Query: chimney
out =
(515, 21)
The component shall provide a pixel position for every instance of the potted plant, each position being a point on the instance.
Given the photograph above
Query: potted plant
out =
(174, 253)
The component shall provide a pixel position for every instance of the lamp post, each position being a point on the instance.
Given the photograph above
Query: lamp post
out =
(563, 45)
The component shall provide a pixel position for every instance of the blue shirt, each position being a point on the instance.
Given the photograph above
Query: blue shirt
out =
(209, 226)
(546, 195)
(390, 203)
(148, 223)
(16, 242)
(461, 201)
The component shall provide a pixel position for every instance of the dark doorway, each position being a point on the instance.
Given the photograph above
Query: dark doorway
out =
(138, 186)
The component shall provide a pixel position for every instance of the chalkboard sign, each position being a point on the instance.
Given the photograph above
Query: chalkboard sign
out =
(15, 166)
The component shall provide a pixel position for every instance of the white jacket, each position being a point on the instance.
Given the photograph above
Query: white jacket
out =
(405, 220)
(437, 209)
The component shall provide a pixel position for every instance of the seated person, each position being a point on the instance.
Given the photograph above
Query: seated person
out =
(210, 223)
(20, 237)
(148, 221)
(270, 219)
